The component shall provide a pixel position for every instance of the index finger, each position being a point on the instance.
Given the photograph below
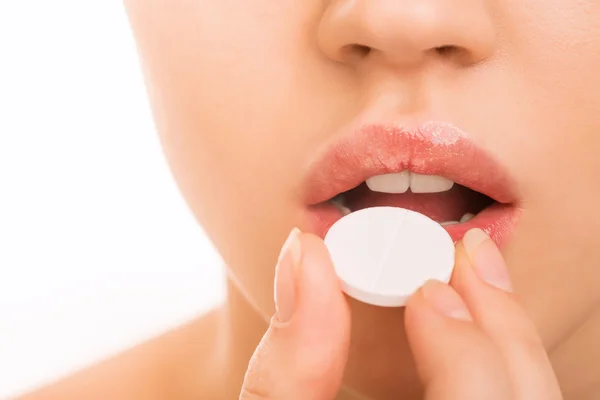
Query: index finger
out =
(303, 353)
(454, 358)
(481, 278)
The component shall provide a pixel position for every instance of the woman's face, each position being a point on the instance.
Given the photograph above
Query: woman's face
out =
(251, 97)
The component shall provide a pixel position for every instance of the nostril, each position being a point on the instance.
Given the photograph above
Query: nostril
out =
(361, 50)
(455, 54)
(447, 50)
(406, 33)
(355, 51)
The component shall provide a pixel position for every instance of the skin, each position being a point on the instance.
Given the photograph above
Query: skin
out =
(461, 349)
(245, 93)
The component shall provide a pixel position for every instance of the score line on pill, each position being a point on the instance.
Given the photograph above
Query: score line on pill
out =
(382, 255)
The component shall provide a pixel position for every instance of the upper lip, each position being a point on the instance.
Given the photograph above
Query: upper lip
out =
(432, 148)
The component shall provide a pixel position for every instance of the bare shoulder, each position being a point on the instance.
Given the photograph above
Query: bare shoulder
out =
(174, 365)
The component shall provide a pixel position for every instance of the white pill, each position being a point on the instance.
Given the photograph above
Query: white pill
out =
(383, 255)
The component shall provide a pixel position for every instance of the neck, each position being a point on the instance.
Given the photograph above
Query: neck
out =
(242, 327)
(576, 361)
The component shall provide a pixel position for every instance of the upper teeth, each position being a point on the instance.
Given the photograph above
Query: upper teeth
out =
(400, 182)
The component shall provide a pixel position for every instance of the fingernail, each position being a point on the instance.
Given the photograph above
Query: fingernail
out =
(445, 300)
(285, 277)
(486, 259)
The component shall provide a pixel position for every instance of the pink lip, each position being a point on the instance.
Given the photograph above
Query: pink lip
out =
(433, 148)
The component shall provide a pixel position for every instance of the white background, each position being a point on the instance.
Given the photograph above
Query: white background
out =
(97, 249)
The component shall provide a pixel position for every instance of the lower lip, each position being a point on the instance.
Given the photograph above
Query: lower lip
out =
(498, 221)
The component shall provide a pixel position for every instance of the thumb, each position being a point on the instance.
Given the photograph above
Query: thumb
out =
(303, 353)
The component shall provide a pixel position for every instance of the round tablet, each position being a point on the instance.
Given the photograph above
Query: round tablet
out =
(383, 255)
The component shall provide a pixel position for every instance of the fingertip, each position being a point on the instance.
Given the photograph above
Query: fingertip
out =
(441, 334)
(316, 252)
(416, 313)
(485, 259)
(480, 274)
(318, 267)
(419, 316)
(462, 268)
(434, 305)
(445, 300)
(322, 306)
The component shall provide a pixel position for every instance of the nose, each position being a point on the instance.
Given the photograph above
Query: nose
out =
(405, 32)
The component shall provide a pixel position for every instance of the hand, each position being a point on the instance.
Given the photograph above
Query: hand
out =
(470, 340)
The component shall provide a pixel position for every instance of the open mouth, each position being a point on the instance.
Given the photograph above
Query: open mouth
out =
(437, 197)
(444, 177)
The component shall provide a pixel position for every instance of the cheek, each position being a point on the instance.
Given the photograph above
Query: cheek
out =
(240, 116)
(548, 79)
(554, 53)
(552, 89)
(235, 117)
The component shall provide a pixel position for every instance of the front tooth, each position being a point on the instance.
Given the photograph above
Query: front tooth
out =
(466, 218)
(390, 183)
(429, 183)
